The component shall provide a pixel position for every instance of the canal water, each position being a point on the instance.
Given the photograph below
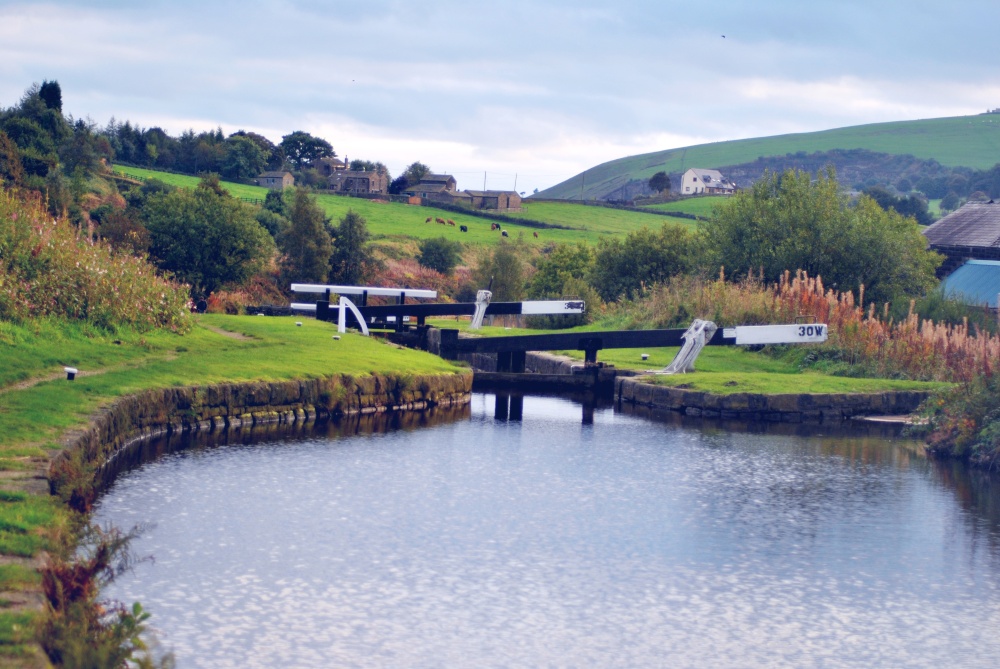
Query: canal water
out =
(568, 538)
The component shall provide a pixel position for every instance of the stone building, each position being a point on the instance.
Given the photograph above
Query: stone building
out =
(359, 182)
(275, 180)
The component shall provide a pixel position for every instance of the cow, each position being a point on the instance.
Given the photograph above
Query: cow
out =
(440, 220)
(428, 220)
(536, 235)
(451, 223)
(504, 233)
(494, 226)
(463, 228)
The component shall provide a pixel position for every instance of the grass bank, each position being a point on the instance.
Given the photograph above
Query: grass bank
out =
(39, 408)
(722, 370)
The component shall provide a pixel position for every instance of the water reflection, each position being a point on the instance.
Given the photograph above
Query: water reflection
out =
(483, 541)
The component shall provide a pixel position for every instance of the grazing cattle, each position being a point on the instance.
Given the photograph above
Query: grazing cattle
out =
(504, 233)
(536, 235)
(463, 228)
(428, 220)
(451, 222)
(440, 220)
(494, 226)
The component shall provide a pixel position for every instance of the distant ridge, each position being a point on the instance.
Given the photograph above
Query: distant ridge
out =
(959, 141)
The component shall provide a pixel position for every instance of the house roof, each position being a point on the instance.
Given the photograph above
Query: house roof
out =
(711, 178)
(437, 177)
(276, 175)
(489, 193)
(974, 224)
(975, 282)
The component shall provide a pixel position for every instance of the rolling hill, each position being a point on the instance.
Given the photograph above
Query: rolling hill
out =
(577, 222)
(961, 141)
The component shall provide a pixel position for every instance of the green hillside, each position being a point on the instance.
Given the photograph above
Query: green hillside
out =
(391, 219)
(968, 141)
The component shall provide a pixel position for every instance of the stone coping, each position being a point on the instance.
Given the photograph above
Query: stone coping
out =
(789, 407)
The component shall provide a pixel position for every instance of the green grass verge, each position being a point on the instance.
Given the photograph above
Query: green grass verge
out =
(33, 418)
(720, 369)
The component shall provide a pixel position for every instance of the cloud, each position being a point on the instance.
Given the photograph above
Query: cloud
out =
(516, 87)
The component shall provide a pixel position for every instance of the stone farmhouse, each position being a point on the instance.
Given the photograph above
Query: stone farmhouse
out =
(709, 182)
(330, 165)
(969, 238)
(275, 180)
(433, 185)
(358, 182)
(443, 188)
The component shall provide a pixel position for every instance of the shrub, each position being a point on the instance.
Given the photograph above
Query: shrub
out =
(46, 269)
(439, 254)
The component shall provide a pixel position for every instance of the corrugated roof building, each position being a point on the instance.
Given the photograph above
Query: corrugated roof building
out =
(970, 232)
(976, 282)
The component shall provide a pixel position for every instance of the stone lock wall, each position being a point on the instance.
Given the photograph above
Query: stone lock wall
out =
(776, 408)
(152, 412)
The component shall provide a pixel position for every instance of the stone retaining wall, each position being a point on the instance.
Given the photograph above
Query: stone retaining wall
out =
(223, 405)
(790, 408)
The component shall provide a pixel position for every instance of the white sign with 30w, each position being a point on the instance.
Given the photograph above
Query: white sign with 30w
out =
(800, 333)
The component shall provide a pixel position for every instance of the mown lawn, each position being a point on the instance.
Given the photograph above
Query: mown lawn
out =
(719, 369)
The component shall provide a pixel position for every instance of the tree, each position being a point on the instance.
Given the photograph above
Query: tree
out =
(788, 222)
(440, 255)
(306, 246)
(415, 172)
(502, 266)
(51, 95)
(563, 264)
(351, 262)
(277, 156)
(122, 231)
(207, 239)
(622, 267)
(950, 201)
(11, 170)
(369, 166)
(659, 182)
(244, 158)
(301, 149)
(912, 205)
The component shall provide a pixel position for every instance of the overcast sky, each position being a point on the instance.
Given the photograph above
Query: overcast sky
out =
(541, 89)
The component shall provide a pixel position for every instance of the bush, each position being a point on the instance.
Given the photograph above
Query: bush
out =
(47, 270)
(439, 254)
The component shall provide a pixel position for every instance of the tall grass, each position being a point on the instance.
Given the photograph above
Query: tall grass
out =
(867, 339)
(48, 267)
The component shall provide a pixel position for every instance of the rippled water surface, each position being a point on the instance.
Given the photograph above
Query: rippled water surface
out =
(545, 542)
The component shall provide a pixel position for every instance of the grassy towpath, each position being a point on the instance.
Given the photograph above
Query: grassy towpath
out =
(39, 407)
(721, 370)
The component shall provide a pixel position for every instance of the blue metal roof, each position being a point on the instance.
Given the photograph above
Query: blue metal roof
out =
(975, 282)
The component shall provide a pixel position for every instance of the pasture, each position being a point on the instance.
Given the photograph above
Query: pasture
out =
(969, 141)
(387, 220)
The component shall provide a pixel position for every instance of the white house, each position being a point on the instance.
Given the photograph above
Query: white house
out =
(712, 182)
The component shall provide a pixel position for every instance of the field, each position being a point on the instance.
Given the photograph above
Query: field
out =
(969, 141)
(699, 206)
(391, 219)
